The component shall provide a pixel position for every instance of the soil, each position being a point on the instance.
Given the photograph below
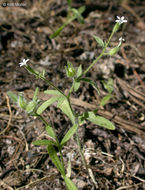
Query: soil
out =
(116, 157)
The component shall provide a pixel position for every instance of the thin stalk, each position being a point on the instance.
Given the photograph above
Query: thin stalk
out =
(61, 157)
(97, 59)
(71, 89)
(47, 81)
(80, 150)
(42, 119)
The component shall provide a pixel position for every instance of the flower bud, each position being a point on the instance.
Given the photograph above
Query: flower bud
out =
(113, 51)
(70, 71)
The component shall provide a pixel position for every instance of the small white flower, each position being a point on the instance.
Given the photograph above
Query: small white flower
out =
(120, 41)
(24, 62)
(120, 20)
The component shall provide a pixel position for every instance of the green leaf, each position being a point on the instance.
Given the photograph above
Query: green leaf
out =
(91, 83)
(46, 104)
(50, 131)
(35, 94)
(69, 134)
(78, 15)
(79, 71)
(105, 99)
(70, 185)
(99, 41)
(69, 20)
(22, 103)
(12, 96)
(82, 118)
(53, 92)
(43, 142)
(63, 104)
(60, 101)
(58, 31)
(55, 159)
(81, 9)
(76, 85)
(108, 85)
(101, 121)
(31, 106)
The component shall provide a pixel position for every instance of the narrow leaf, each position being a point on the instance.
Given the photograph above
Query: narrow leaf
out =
(108, 85)
(79, 71)
(53, 92)
(65, 107)
(31, 106)
(46, 104)
(22, 103)
(81, 9)
(76, 85)
(12, 96)
(78, 15)
(50, 131)
(69, 134)
(69, 20)
(101, 121)
(58, 31)
(43, 142)
(70, 184)
(99, 41)
(35, 94)
(105, 99)
(55, 159)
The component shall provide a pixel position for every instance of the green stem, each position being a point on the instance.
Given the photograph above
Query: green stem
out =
(97, 59)
(61, 157)
(80, 150)
(71, 89)
(47, 81)
(42, 119)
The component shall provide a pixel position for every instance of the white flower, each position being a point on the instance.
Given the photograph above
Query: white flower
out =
(120, 41)
(120, 20)
(24, 62)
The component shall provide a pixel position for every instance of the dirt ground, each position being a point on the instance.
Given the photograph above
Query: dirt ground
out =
(116, 158)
